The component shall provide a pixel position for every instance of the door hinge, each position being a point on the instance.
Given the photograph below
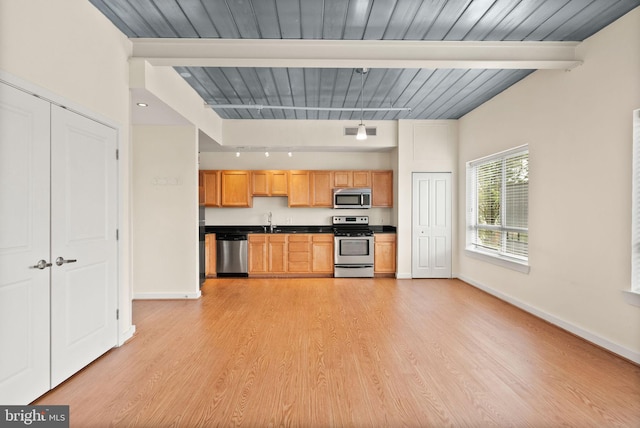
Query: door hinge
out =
(117, 314)
(117, 154)
(117, 234)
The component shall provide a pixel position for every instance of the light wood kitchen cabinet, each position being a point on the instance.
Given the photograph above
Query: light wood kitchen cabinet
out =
(299, 188)
(277, 253)
(291, 254)
(299, 253)
(210, 255)
(269, 183)
(322, 253)
(342, 179)
(321, 190)
(382, 189)
(352, 178)
(235, 189)
(267, 253)
(209, 182)
(361, 178)
(257, 257)
(384, 254)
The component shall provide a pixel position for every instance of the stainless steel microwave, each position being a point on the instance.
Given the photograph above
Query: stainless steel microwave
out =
(352, 197)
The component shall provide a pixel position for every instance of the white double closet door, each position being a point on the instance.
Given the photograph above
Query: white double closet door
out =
(58, 201)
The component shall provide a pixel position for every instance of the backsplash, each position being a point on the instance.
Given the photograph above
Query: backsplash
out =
(283, 215)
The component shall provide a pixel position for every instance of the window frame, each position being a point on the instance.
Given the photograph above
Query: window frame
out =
(499, 257)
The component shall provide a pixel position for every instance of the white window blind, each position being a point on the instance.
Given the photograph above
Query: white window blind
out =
(498, 204)
(635, 216)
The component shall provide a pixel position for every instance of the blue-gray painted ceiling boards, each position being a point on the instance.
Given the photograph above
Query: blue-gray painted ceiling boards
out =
(430, 93)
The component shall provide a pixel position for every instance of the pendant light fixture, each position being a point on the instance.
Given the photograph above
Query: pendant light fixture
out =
(362, 130)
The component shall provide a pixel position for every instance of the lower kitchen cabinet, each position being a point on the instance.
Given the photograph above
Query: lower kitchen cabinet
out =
(384, 254)
(210, 255)
(267, 253)
(277, 253)
(299, 254)
(257, 258)
(290, 254)
(322, 253)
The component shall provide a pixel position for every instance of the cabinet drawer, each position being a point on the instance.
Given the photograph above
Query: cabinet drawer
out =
(296, 247)
(301, 267)
(298, 257)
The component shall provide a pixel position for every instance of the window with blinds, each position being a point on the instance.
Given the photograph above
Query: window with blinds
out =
(498, 204)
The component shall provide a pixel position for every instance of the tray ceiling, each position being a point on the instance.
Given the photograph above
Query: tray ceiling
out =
(430, 92)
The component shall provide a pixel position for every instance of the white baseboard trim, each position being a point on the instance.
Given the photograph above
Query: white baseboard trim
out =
(166, 296)
(572, 328)
(123, 337)
(403, 275)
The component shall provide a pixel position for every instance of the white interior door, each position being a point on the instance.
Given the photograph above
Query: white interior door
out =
(83, 236)
(24, 240)
(431, 229)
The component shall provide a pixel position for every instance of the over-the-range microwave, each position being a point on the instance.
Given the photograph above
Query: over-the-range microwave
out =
(352, 197)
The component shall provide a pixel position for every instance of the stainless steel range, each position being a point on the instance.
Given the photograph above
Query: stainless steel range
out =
(353, 247)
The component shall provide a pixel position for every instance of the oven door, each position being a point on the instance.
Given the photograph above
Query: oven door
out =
(353, 250)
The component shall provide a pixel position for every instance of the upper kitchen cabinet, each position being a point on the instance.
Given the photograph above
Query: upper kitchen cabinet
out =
(269, 183)
(351, 178)
(382, 189)
(299, 188)
(235, 189)
(321, 190)
(209, 182)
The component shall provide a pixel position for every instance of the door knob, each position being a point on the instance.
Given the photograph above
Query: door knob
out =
(40, 265)
(60, 261)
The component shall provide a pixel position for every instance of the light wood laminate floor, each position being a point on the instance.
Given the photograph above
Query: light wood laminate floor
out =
(349, 352)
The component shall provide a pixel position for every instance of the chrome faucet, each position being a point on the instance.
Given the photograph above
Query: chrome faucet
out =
(271, 225)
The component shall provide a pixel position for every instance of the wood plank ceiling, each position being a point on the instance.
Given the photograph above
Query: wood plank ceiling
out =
(429, 93)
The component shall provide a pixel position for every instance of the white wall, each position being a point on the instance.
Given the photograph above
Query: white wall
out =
(423, 146)
(306, 133)
(69, 52)
(165, 212)
(578, 125)
(282, 214)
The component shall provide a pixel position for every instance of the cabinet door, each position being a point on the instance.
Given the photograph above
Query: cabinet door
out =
(210, 254)
(269, 183)
(342, 179)
(211, 188)
(384, 253)
(322, 253)
(235, 189)
(299, 189)
(279, 183)
(260, 183)
(257, 253)
(321, 191)
(361, 178)
(277, 249)
(382, 188)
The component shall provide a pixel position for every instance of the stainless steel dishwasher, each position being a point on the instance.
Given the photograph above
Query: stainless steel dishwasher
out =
(231, 255)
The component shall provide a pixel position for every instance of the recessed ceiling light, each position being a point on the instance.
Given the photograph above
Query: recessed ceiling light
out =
(142, 105)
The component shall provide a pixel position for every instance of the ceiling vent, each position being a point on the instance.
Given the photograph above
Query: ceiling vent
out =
(353, 130)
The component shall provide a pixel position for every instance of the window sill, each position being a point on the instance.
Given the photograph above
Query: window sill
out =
(632, 297)
(519, 266)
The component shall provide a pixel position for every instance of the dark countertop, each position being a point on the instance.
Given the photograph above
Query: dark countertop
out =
(289, 229)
